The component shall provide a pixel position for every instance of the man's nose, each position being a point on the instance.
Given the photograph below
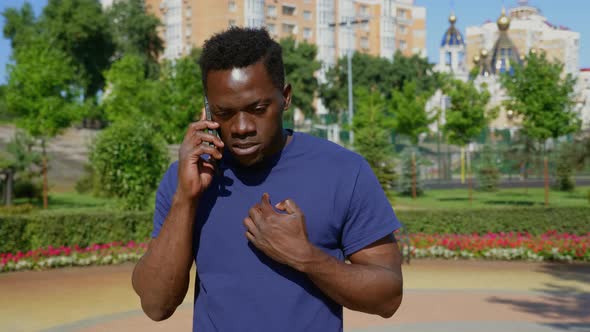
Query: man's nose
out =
(243, 124)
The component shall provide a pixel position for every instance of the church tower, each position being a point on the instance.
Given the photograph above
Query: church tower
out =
(504, 54)
(452, 50)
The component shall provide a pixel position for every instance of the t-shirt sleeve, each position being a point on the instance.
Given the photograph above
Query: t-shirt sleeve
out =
(164, 197)
(370, 216)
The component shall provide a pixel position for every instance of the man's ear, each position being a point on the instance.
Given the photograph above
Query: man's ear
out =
(287, 94)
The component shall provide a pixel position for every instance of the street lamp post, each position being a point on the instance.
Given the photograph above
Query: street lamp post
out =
(349, 23)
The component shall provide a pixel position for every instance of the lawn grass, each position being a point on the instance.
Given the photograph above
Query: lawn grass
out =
(72, 200)
(519, 197)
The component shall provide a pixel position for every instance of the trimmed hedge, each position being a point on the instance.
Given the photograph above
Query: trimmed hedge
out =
(39, 230)
(536, 221)
(83, 227)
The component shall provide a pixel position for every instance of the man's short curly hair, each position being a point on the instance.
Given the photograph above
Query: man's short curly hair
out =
(241, 47)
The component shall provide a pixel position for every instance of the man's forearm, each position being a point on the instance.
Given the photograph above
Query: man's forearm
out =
(162, 276)
(368, 288)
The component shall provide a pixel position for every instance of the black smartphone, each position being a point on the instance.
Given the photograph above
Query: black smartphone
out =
(215, 132)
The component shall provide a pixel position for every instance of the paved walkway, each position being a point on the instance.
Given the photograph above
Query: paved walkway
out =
(440, 296)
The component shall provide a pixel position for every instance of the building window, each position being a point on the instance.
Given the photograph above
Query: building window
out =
(271, 29)
(403, 29)
(232, 23)
(364, 11)
(366, 26)
(307, 15)
(403, 45)
(307, 33)
(232, 6)
(448, 59)
(288, 10)
(364, 42)
(271, 11)
(401, 13)
(289, 28)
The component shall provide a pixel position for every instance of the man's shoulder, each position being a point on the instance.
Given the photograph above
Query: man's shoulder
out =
(323, 149)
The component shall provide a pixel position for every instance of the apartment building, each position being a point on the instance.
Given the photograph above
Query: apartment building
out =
(379, 27)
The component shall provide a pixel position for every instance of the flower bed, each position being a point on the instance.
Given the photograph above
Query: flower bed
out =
(551, 246)
(97, 254)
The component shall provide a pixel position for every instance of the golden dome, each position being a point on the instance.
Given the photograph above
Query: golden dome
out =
(522, 57)
(503, 21)
(476, 59)
(483, 53)
(452, 18)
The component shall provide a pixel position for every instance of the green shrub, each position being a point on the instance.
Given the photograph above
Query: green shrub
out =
(26, 188)
(44, 228)
(574, 220)
(129, 160)
(84, 227)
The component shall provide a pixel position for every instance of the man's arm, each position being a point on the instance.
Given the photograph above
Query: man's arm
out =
(372, 283)
(161, 277)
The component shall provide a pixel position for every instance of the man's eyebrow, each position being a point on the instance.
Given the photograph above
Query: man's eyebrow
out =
(251, 105)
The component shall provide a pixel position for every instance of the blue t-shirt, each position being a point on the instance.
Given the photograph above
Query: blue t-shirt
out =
(242, 289)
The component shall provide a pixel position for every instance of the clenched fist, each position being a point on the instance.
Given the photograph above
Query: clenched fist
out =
(281, 236)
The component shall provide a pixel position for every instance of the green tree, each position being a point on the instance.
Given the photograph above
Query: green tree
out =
(182, 96)
(135, 32)
(128, 159)
(542, 96)
(372, 130)
(379, 73)
(130, 96)
(17, 161)
(466, 116)
(301, 65)
(488, 169)
(409, 112)
(81, 30)
(40, 92)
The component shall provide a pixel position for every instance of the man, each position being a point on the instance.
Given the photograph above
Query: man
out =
(264, 267)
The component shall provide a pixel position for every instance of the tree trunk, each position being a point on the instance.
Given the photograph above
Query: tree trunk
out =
(469, 179)
(45, 185)
(413, 175)
(546, 174)
(8, 187)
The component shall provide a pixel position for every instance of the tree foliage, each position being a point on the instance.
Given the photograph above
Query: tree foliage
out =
(135, 32)
(129, 94)
(372, 130)
(466, 116)
(182, 96)
(81, 30)
(128, 159)
(408, 109)
(379, 73)
(19, 24)
(542, 96)
(300, 63)
(40, 89)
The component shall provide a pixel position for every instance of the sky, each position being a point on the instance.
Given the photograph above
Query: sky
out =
(571, 13)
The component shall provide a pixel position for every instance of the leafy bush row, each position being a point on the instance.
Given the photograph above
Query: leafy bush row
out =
(83, 227)
(536, 221)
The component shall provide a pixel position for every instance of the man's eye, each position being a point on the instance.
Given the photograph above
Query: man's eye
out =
(222, 114)
(260, 109)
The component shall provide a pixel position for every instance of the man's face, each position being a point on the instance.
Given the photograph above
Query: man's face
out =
(249, 110)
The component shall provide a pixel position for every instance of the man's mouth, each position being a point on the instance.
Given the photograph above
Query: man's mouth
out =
(244, 149)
